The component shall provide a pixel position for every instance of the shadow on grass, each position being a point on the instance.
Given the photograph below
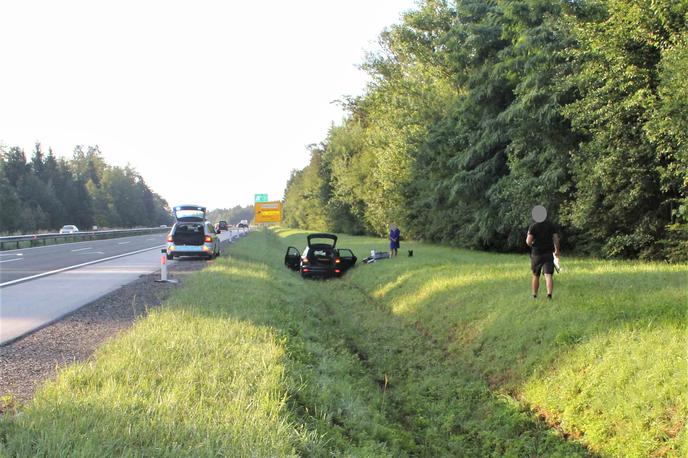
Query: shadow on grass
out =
(477, 307)
(367, 381)
(423, 393)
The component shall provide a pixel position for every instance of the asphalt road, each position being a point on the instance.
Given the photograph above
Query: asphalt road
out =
(27, 262)
(37, 300)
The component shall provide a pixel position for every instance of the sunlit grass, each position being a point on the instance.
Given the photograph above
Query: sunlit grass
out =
(440, 354)
(605, 361)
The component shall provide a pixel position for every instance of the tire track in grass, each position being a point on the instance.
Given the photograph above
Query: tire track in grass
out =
(446, 409)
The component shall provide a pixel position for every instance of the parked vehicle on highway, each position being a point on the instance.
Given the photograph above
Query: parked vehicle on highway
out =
(243, 224)
(320, 258)
(192, 234)
(69, 229)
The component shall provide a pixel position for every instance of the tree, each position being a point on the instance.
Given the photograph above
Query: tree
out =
(623, 199)
(9, 202)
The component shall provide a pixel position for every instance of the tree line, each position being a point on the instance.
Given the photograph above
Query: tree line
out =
(477, 110)
(46, 192)
(232, 215)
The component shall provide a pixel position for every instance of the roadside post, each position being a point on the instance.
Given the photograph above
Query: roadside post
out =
(163, 269)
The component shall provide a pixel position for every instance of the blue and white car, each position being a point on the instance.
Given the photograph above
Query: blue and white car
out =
(192, 234)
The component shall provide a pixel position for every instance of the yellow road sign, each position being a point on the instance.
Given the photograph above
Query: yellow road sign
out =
(268, 212)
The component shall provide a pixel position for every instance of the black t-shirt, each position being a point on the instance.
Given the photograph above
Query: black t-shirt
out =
(543, 234)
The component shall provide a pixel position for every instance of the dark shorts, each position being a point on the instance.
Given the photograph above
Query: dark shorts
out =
(538, 262)
(393, 245)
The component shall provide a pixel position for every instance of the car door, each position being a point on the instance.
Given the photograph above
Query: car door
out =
(348, 259)
(293, 258)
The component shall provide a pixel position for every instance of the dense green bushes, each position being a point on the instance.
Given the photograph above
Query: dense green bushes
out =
(478, 110)
(46, 193)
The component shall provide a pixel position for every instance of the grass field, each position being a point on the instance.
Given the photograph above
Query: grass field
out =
(441, 354)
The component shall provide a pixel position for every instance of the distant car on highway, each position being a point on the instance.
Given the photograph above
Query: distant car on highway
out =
(69, 229)
(192, 234)
(320, 259)
(243, 224)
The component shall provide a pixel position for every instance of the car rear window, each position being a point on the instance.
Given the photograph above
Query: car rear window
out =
(188, 228)
(189, 213)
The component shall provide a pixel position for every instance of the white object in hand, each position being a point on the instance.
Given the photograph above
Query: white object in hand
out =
(557, 264)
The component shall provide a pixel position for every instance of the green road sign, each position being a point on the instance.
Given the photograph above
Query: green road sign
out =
(261, 197)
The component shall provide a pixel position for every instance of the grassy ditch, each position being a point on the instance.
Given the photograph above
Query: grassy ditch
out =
(442, 354)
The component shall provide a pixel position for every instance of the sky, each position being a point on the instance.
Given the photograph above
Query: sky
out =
(211, 101)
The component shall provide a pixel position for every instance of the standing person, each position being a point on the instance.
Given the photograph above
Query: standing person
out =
(394, 235)
(543, 238)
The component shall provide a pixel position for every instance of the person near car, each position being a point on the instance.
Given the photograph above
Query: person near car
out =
(543, 239)
(394, 235)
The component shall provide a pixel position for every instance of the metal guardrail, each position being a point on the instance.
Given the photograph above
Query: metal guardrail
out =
(33, 240)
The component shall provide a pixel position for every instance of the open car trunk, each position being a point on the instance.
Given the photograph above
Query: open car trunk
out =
(188, 234)
(188, 213)
(323, 237)
(320, 255)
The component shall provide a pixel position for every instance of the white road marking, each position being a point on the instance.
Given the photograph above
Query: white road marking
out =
(11, 260)
(123, 243)
(81, 249)
(44, 274)
(93, 252)
(58, 245)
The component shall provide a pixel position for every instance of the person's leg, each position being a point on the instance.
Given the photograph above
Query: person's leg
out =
(549, 273)
(536, 269)
(549, 280)
(535, 284)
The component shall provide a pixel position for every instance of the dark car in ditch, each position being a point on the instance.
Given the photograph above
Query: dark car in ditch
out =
(192, 234)
(321, 258)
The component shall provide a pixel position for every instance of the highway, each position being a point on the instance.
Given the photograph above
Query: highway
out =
(43, 284)
(27, 263)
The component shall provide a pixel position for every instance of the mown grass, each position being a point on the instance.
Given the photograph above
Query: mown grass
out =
(605, 361)
(442, 354)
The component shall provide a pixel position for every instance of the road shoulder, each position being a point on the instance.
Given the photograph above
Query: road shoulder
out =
(26, 363)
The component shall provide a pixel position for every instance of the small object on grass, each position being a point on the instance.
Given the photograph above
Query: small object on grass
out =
(376, 255)
(410, 253)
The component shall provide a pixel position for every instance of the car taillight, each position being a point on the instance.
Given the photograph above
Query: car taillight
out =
(337, 261)
(169, 239)
(208, 239)
(306, 270)
(337, 271)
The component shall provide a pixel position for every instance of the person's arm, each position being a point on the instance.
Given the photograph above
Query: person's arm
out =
(529, 239)
(557, 244)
